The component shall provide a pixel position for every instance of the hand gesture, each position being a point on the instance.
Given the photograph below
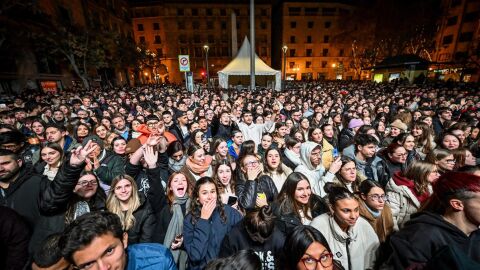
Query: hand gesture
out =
(335, 166)
(177, 243)
(96, 163)
(207, 209)
(80, 154)
(150, 156)
(261, 201)
(89, 166)
(252, 173)
(153, 140)
(163, 144)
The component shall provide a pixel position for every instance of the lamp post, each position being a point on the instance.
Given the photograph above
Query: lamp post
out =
(284, 49)
(206, 48)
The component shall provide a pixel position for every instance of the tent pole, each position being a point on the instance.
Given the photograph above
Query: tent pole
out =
(252, 45)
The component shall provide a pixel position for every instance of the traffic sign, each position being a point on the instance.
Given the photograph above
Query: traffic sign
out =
(184, 63)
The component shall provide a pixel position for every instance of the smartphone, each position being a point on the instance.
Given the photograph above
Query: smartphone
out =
(232, 200)
(335, 153)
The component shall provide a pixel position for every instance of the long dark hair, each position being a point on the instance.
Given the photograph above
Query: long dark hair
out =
(269, 170)
(286, 197)
(298, 241)
(355, 185)
(196, 207)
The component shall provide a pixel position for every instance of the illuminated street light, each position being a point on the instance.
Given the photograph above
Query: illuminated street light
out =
(284, 49)
(334, 65)
(206, 48)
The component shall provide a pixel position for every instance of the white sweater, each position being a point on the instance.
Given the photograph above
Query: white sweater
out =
(363, 244)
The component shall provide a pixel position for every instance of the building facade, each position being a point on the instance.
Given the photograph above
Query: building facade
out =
(456, 54)
(172, 28)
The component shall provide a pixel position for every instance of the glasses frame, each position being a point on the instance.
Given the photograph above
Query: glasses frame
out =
(314, 266)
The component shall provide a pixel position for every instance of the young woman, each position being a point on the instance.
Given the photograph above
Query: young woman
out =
(119, 146)
(304, 126)
(408, 142)
(206, 224)
(374, 209)
(220, 152)
(52, 157)
(102, 132)
(307, 248)
(225, 180)
(463, 157)
(264, 145)
(81, 131)
(134, 210)
(291, 154)
(423, 139)
(38, 129)
(200, 139)
(176, 157)
(347, 175)
(443, 158)
(257, 189)
(281, 130)
(395, 156)
(296, 204)
(407, 191)
(275, 168)
(197, 165)
(449, 141)
(352, 240)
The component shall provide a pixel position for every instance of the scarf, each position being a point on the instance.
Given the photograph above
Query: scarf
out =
(293, 157)
(176, 165)
(400, 180)
(199, 169)
(50, 172)
(175, 227)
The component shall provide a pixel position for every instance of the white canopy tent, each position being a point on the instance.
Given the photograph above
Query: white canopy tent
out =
(238, 70)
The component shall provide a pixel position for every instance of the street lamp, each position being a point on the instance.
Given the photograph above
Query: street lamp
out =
(284, 49)
(206, 48)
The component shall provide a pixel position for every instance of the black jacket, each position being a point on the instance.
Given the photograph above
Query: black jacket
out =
(424, 235)
(14, 237)
(145, 222)
(111, 166)
(248, 191)
(270, 252)
(222, 131)
(143, 177)
(345, 139)
(287, 222)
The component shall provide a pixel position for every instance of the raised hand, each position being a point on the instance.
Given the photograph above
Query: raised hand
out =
(335, 166)
(150, 156)
(207, 209)
(153, 140)
(79, 155)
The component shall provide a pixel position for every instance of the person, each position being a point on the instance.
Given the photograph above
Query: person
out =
(119, 146)
(52, 158)
(258, 232)
(14, 238)
(58, 134)
(220, 152)
(352, 239)
(197, 165)
(449, 218)
(463, 157)
(312, 168)
(120, 127)
(236, 143)
(257, 189)
(375, 210)
(176, 157)
(97, 240)
(444, 114)
(291, 154)
(407, 191)
(347, 134)
(132, 208)
(38, 132)
(395, 156)
(102, 132)
(449, 141)
(443, 158)
(170, 209)
(266, 144)
(206, 224)
(252, 131)
(242, 260)
(315, 134)
(347, 176)
(296, 204)
(81, 131)
(408, 142)
(48, 255)
(225, 180)
(397, 127)
(17, 142)
(308, 249)
(424, 142)
(222, 126)
(275, 168)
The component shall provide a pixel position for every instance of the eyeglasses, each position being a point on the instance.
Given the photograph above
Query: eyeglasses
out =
(251, 163)
(451, 161)
(326, 260)
(377, 197)
(85, 183)
(152, 124)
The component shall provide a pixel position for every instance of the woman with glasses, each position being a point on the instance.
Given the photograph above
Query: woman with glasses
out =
(407, 191)
(257, 189)
(408, 142)
(308, 249)
(443, 158)
(352, 240)
(374, 209)
(132, 208)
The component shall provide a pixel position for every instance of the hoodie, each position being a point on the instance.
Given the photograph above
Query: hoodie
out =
(316, 175)
(424, 235)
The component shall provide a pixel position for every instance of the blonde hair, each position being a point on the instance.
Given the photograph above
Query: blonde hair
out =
(418, 172)
(113, 204)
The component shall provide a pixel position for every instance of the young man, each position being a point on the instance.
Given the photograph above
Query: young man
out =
(97, 241)
(120, 127)
(443, 114)
(252, 131)
(58, 134)
(367, 161)
(451, 217)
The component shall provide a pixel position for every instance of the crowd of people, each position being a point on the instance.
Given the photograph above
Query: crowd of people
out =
(322, 175)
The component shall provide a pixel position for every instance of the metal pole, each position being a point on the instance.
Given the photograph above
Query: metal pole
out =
(284, 49)
(206, 48)
(252, 45)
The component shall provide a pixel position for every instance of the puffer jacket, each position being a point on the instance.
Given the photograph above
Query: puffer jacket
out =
(145, 222)
(110, 166)
(248, 191)
(149, 257)
(327, 154)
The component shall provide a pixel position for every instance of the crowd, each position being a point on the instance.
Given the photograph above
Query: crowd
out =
(323, 175)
